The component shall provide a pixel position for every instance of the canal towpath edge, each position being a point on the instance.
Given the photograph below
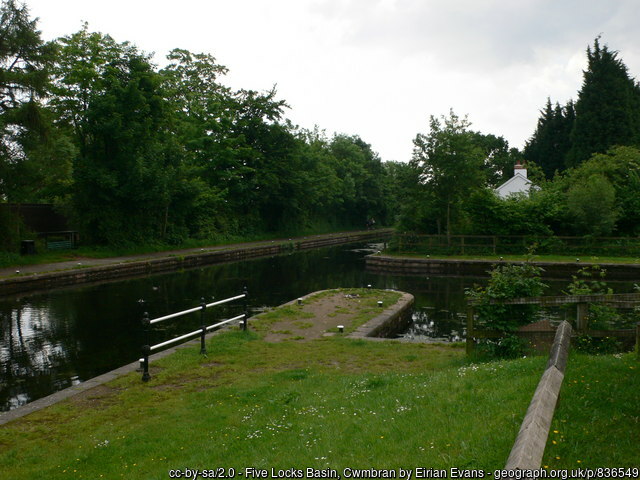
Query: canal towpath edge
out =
(52, 275)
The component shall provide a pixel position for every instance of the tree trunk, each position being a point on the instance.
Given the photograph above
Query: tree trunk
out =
(448, 224)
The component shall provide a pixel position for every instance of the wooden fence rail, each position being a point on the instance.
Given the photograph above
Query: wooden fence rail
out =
(530, 443)
(514, 244)
(582, 302)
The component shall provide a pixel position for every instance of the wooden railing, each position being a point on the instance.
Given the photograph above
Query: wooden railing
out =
(582, 302)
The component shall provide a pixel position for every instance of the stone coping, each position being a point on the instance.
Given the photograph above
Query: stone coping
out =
(69, 392)
(371, 329)
(43, 277)
(459, 267)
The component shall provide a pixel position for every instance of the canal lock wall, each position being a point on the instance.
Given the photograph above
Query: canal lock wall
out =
(480, 268)
(127, 269)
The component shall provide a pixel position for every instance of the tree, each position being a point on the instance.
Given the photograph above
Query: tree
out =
(127, 161)
(450, 166)
(613, 178)
(608, 107)
(79, 75)
(550, 143)
(591, 204)
(499, 159)
(24, 78)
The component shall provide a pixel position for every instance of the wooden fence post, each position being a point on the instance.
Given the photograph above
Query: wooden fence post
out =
(581, 317)
(638, 340)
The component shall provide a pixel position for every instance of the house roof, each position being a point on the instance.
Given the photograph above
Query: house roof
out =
(517, 176)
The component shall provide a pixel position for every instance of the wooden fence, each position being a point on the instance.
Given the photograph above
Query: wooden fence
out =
(582, 302)
(514, 244)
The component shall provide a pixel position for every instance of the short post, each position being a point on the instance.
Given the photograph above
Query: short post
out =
(146, 349)
(638, 340)
(246, 308)
(581, 317)
(203, 333)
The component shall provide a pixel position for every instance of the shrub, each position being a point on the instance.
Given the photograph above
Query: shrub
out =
(507, 282)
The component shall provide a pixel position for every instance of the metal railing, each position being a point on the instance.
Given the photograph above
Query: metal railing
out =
(202, 331)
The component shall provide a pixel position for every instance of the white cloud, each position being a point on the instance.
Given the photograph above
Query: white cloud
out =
(379, 68)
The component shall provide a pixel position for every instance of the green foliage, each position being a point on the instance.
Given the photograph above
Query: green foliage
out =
(507, 282)
(550, 142)
(528, 215)
(589, 281)
(591, 205)
(449, 163)
(607, 109)
(499, 159)
(596, 345)
(24, 63)
(619, 170)
(125, 167)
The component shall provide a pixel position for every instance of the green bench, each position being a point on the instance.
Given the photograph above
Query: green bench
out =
(59, 245)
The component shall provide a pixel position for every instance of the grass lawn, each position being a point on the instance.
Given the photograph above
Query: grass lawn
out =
(329, 402)
(597, 420)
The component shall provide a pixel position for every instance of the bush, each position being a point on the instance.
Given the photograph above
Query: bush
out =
(507, 282)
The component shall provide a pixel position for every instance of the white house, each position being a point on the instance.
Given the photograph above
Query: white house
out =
(519, 183)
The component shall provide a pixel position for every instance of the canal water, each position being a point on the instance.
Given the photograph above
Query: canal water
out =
(50, 341)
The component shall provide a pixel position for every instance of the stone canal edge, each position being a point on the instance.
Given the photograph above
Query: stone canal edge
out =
(49, 276)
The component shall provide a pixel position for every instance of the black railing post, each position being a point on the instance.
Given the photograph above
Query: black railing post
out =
(146, 349)
(245, 324)
(203, 348)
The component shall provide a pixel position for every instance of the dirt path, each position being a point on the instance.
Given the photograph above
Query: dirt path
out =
(321, 313)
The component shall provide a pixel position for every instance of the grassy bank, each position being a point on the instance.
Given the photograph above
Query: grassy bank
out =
(331, 402)
(522, 258)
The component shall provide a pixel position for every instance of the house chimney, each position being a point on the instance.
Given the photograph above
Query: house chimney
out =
(521, 169)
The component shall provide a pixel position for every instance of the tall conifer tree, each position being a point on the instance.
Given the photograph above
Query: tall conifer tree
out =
(550, 142)
(608, 107)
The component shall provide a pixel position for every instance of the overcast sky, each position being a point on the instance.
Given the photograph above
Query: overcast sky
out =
(379, 68)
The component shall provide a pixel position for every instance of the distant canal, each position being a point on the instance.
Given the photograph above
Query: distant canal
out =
(53, 340)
